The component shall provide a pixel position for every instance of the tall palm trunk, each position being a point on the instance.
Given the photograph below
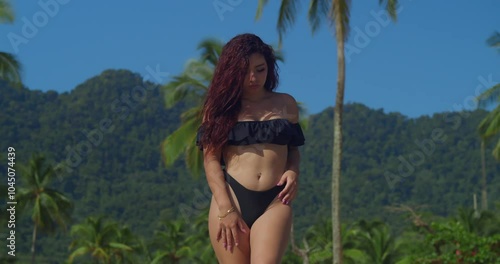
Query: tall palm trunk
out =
(33, 241)
(337, 136)
(484, 197)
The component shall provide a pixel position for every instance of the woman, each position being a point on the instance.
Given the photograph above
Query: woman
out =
(254, 133)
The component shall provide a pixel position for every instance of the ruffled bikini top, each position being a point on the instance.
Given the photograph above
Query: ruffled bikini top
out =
(275, 131)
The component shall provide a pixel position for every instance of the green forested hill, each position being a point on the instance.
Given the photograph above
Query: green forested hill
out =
(108, 130)
(440, 171)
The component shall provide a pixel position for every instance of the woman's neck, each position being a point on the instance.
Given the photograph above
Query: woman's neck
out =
(256, 96)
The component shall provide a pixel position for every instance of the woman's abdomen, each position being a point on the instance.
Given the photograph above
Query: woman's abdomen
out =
(257, 167)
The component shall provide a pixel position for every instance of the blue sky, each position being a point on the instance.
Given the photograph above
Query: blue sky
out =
(434, 59)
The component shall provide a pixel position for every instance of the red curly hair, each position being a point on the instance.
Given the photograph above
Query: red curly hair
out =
(223, 102)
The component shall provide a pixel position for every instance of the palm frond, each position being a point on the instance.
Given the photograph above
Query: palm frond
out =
(48, 212)
(49, 172)
(286, 17)
(120, 246)
(160, 258)
(101, 254)
(490, 125)
(193, 82)
(174, 145)
(353, 255)
(494, 41)
(278, 54)
(6, 13)
(488, 97)
(496, 151)
(321, 255)
(318, 11)
(192, 113)
(391, 7)
(10, 69)
(109, 232)
(79, 252)
(24, 199)
(211, 49)
(260, 8)
(199, 70)
(24, 172)
(63, 205)
(194, 160)
(82, 230)
(180, 88)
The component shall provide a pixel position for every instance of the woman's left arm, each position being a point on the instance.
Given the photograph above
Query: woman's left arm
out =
(291, 176)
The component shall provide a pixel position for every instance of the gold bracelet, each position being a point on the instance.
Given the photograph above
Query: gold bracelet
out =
(228, 212)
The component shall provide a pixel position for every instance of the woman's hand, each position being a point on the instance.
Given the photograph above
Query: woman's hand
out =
(228, 230)
(288, 193)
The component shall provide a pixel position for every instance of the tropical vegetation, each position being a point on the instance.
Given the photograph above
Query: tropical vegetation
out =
(10, 67)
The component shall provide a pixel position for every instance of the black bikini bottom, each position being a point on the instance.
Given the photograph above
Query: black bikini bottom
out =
(252, 203)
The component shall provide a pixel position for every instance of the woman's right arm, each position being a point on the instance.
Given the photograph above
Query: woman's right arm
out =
(215, 179)
(231, 222)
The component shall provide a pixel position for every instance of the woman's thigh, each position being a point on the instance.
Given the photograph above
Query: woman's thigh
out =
(241, 253)
(270, 234)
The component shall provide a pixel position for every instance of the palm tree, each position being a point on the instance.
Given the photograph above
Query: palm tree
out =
(176, 241)
(172, 242)
(490, 125)
(125, 245)
(375, 240)
(191, 86)
(318, 244)
(336, 12)
(50, 208)
(10, 68)
(105, 241)
(485, 223)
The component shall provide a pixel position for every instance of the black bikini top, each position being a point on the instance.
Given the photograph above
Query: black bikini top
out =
(274, 131)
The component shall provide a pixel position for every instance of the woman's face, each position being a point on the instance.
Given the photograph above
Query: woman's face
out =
(256, 74)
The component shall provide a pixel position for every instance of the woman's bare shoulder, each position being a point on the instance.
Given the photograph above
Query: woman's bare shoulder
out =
(284, 96)
(288, 106)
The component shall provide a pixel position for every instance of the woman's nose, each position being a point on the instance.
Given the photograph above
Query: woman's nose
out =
(252, 76)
